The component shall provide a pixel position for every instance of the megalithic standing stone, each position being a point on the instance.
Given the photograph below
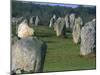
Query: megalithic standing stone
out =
(76, 32)
(52, 20)
(88, 38)
(67, 21)
(72, 20)
(37, 21)
(51, 23)
(59, 26)
(31, 20)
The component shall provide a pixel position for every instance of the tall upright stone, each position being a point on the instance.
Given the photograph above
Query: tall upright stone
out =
(76, 33)
(32, 21)
(59, 26)
(67, 21)
(13, 21)
(72, 20)
(37, 21)
(88, 38)
(52, 20)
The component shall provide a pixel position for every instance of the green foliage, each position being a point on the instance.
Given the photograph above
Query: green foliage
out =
(45, 12)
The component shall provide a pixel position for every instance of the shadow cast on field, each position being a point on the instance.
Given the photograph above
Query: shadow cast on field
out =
(50, 41)
(45, 35)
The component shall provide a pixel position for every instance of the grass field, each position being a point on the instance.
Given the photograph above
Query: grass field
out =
(62, 54)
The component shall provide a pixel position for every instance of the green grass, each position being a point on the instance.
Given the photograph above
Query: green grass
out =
(62, 54)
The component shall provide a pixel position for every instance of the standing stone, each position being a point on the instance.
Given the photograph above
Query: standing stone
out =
(88, 38)
(24, 30)
(13, 20)
(67, 21)
(51, 23)
(59, 26)
(16, 20)
(20, 19)
(76, 33)
(31, 20)
(52, 20)
(36, 21)
(28, 55)
(72, 20)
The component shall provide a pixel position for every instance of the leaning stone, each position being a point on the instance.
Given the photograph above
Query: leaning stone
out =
(88, 38)
(28, 55)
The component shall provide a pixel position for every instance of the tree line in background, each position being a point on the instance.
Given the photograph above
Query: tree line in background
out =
(45, 12)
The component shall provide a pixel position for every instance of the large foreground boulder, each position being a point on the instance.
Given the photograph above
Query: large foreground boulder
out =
(28, 55)
(76, 33)
(59, 26)
(88, 38)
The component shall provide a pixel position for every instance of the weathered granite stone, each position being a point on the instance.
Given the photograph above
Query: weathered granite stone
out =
(59, 26)
(24, 30)
(32, 21)
(76, 33)
(52, 20)
(88, 38)
(72, 20)
(67, 21)
(37, 21)
(28, 55)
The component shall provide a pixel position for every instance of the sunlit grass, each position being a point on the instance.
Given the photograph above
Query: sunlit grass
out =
(62, 54)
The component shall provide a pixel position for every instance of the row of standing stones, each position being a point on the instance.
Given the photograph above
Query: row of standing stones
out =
(85, 34)
(28, 53)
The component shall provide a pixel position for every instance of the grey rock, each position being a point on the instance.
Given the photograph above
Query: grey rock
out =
(13, 20)
(24, 30)
(88, 38)
(72, 20)
(76, 33)
(59, 26)
(67, 21)
(52, 21)
(28, 55)
(32, 21)
(37, 21)
(16, 20)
